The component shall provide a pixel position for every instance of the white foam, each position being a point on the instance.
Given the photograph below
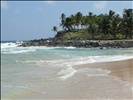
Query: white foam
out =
(94, 71)
(15, 86)
(68, 72)
(62, 62)
(8, 45)
(70, 47)
(73, 61)
(14, 45)
(113, 58)
(17, 51)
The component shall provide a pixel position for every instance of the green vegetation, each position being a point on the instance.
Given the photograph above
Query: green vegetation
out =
(91, 26)
(54, 29)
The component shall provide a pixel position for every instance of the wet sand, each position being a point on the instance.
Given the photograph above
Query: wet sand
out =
(122, 69)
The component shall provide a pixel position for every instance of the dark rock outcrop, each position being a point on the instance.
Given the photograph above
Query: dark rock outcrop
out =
(53, 42)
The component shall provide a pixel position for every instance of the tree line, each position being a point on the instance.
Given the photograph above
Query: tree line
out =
(108, 24)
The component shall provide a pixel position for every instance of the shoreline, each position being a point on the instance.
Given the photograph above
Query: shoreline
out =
(122, 69)
(84, 87)
(79, 87)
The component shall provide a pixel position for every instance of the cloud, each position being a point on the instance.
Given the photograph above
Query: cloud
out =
(50, 2)
(100, 5)
(4, 5)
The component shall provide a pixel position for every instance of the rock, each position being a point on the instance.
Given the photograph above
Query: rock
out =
(77, 43)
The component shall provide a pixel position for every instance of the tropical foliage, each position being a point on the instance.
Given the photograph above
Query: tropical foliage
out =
(54, 29)
(103, 26)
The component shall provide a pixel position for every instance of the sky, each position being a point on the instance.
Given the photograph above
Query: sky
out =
(28, 20)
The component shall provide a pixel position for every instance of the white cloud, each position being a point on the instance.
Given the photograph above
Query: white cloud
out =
(100, 5)
(4, 5)
(50, 2)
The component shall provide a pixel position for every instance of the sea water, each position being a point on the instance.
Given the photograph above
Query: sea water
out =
(49, 72)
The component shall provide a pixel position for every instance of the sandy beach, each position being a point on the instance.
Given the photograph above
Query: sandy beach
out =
(67, 51)
(117, 85)
(122, 69)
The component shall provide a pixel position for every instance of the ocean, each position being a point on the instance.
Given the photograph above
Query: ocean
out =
(50, 72)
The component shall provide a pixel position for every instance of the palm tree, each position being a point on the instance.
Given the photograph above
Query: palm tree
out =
(86, 21)
(128, 22)
(83, 21)
(68, 26)
(101, 25)
(63, 18)
(92, 28)
(104, 25)
(54, 29)
(114, 25)
(78, 18)
(90, 14)
(73, 19)
(111, 14)
(90, 19)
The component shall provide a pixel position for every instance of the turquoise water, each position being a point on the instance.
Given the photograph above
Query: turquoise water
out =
(25, 69)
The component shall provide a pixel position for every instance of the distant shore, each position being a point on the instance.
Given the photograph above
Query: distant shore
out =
(58, 42)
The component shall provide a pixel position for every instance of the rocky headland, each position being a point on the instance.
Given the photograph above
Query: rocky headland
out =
(58, 42)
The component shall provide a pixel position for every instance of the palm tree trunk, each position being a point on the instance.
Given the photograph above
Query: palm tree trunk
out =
(54, 33)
